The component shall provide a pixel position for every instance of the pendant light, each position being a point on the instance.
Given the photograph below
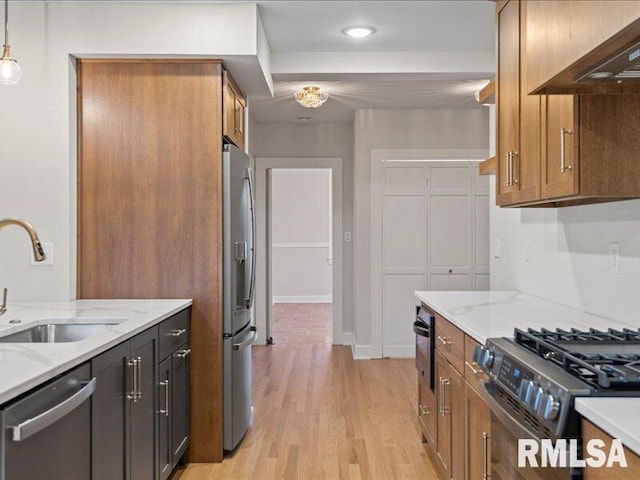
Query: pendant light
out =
(10, 71)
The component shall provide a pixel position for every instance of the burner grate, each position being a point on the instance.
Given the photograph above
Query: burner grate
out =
(605, 360)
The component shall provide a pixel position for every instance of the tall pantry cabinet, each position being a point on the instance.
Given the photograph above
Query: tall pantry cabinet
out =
(150, 205)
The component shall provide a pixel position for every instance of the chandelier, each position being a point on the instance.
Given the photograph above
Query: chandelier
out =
(311, 97)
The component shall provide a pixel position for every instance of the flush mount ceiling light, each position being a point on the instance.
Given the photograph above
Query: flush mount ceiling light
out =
(10, 71)
(311, 97)
(358, 32)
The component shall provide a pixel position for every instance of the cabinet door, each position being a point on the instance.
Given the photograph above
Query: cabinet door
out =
(143, 452)
(238, 131)
(229, 105)
(180, 402)
(443, 434)
(455, 398)
(560, 140)
(526, 160)
(165, 452)
(508, 97)
(109, 414)
(427, 411)
(477, 432)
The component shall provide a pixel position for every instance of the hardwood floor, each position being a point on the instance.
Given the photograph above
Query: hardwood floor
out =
(318, 414)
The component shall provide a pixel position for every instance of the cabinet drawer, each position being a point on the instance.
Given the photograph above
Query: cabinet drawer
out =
(427, 411)
(450, 342)
(174, 332)
(472, 372)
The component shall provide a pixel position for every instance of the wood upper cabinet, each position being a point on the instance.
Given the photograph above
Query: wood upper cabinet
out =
(560, 140)
(558, 150)
(449, 386)
(233, 122)
(477, 435)
(518, 113)
(565, 39)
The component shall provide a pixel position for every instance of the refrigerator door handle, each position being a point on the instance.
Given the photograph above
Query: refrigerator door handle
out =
(249, 341)
(252, 283)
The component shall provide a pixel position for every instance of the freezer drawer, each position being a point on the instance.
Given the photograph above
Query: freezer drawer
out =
(47, 434)
(237, 386)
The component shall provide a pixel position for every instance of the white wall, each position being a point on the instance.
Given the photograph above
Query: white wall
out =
(398, 129)
(569, 255)
(37, 159)
(317, 140)
(301, 235)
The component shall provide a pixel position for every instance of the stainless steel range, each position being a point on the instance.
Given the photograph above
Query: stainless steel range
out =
(535, 378)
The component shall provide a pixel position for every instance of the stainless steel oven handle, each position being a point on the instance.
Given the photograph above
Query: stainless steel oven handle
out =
(515, 427)
(32, 426)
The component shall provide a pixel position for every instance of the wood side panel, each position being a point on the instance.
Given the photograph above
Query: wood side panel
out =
(150, 206)
(560, 33)
(609, 145)
(631, 472)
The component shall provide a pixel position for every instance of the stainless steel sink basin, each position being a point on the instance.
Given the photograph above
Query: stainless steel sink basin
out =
(57, 333)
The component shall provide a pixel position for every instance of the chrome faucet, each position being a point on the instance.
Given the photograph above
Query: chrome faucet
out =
(38, 251)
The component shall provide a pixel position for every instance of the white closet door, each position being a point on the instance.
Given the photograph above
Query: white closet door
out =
(481, 230)
(450, 227)
(404, 257)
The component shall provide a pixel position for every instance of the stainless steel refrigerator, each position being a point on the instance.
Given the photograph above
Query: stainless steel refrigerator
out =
(239, 292)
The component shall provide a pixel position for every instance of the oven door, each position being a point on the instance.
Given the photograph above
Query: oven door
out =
(505, 432)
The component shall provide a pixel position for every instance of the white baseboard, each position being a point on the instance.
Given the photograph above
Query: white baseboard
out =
(361, 352)
(344, 338)
(400, 351)
(304, 299)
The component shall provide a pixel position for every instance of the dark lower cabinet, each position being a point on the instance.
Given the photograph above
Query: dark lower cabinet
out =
(123, 437)
(173, 413)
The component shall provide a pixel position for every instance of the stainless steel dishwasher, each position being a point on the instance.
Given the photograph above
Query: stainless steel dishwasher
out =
(47, 433)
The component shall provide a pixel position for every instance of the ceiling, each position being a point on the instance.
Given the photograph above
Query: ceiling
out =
(296, 27)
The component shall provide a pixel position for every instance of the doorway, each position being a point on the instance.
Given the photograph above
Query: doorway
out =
(300, 246)
(299, 267)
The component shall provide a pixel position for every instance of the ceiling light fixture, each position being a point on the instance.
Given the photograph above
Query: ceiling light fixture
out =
(358, 32)
(311, 97)
(10, 71)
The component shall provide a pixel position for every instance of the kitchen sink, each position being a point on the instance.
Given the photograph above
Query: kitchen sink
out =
(57, 333)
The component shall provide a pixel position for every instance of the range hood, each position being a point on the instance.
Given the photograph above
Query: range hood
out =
(620, 68)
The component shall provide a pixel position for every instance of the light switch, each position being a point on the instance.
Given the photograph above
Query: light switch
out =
(614, 257)
(496, 248)
(348, 237)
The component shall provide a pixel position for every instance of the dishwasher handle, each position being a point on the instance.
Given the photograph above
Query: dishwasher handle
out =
(32, 426)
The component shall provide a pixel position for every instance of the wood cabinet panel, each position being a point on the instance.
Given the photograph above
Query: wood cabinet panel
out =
(427, 411)
(150, 205)
(632, 472)
(233, 122)
(450, 342)
(561, 33)
(477, 435)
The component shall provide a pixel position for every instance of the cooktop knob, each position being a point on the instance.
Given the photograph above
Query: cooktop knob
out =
(551, 408)
(539, 401)
(528, 396)
(486, 357)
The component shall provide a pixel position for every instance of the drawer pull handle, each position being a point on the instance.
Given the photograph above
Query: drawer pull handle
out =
(165, 411)
(563, 150)
(472, 366)
(178, 332)
(424, 410)
(485, 456)
(183, 353)
(444, 340)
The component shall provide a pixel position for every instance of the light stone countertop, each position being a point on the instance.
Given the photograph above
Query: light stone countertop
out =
(484, 315)
(27, 365)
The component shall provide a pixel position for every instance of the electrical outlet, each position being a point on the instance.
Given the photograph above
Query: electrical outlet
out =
(496, 248)
(348, 237)
(614, 257)
(527, 251)
(48, 251)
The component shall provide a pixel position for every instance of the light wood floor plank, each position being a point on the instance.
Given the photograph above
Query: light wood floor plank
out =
(320, 415)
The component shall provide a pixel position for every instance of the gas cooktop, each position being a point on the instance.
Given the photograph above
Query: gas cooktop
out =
(608, 360)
